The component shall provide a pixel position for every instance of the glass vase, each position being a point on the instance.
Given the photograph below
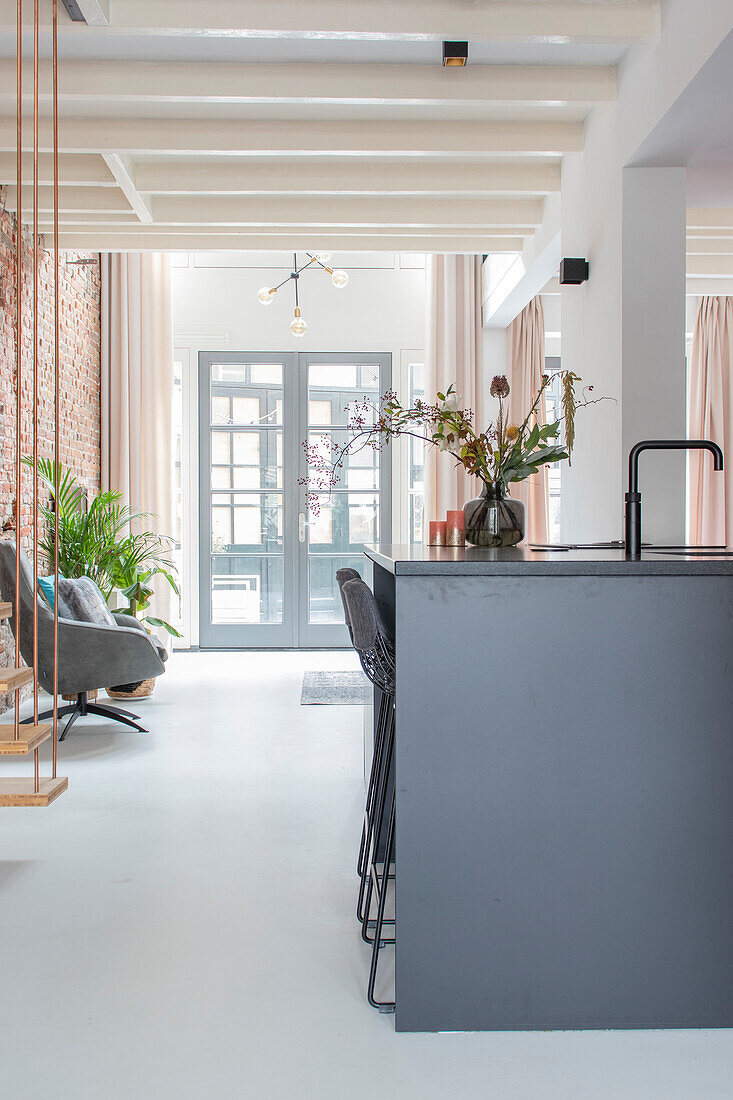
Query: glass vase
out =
(493, 518)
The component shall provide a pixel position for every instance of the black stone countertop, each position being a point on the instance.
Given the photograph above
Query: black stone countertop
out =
(471, 561)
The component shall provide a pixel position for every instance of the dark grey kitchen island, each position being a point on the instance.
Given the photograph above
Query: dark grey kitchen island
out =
(564, 788)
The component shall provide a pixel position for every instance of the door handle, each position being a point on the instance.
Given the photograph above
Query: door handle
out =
(301, 527)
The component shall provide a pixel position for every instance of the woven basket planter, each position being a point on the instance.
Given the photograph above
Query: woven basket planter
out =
(132, 691)
(91, 696)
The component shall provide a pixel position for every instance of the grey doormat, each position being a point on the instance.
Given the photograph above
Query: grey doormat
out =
(332, 688)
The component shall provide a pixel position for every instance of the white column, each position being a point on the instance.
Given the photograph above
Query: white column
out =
(653, 340)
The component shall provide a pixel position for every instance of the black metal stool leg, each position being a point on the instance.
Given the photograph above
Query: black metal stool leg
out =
(383, 1006)
(374, 773)
(377, 833)
(373, 823)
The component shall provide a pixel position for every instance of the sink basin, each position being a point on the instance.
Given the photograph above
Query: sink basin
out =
(694, 553)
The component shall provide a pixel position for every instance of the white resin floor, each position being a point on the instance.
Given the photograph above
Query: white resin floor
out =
(180, 924)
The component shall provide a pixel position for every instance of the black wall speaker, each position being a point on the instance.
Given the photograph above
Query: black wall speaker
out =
(573, 270)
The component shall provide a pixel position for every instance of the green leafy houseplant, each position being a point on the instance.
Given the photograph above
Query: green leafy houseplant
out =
(138, 565)
(99, 542)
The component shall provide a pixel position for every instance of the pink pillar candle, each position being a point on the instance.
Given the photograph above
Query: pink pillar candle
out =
(436, 536)
(455, 529)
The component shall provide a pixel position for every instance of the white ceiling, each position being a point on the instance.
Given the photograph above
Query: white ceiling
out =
(697, 133)
(328, 123)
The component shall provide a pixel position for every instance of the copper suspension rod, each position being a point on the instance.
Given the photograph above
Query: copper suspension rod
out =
(36, 66)
(56, 368)
(18, 343)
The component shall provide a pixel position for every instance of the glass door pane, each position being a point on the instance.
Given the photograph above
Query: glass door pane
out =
(336, 389)
(267, 574)
(244, 551)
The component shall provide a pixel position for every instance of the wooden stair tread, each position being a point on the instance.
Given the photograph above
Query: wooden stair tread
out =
(13, 678)
(21, 792)
(30, 738)
(6, 610)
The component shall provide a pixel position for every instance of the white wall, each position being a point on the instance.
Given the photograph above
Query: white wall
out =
(653, 339)
(215, 304)
(215, 308)
(650, 79)
(493, 352)
(551, 308)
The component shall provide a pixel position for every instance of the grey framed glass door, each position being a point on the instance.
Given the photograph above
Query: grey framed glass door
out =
(358, 510)
(246, 562)
(267, 566)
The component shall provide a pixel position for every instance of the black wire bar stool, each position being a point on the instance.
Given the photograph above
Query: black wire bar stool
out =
(386, 705)
(376, 653)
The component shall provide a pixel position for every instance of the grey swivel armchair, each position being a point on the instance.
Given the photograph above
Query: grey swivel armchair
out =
(91, 655)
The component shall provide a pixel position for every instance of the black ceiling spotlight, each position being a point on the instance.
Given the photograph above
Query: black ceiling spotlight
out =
(455, 53)
(573, 271)
(75, 12)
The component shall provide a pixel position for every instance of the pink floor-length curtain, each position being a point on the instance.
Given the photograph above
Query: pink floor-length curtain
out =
(525, 366)
(137, 389)
(710, 504)
(452, 355)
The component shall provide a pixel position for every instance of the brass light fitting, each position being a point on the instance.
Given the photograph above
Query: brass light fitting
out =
(455, 54)
(266, 294)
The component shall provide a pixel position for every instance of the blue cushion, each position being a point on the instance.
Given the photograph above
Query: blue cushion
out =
(47, 585)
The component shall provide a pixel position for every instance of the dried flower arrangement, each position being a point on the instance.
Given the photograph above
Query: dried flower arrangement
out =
(503, 453)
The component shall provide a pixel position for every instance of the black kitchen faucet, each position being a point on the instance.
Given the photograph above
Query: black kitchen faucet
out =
(633, 497)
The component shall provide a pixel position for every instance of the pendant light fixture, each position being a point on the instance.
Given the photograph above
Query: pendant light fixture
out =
(266, 294)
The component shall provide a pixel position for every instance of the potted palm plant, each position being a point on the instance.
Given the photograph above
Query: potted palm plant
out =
(138, 563)
(101, 541)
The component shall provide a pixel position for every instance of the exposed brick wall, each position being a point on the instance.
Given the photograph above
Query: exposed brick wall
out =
(79, 291)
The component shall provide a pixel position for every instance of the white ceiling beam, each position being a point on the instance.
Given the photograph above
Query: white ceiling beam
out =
(88, 219)
(245, 177)
(710, 246)
(338, 210)
(621, 21)
(713, 285)
(709, 217)
(113, 239)
(85, 170)
(305, 235)
(473, 140)
(119, 168)
(709, 231)
(72, 200)
(218, 82)
(710, 267)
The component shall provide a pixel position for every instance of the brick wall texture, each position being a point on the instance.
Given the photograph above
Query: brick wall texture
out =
(79, 380)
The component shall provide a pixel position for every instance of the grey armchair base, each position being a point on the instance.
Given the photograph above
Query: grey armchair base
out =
(82, 707)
